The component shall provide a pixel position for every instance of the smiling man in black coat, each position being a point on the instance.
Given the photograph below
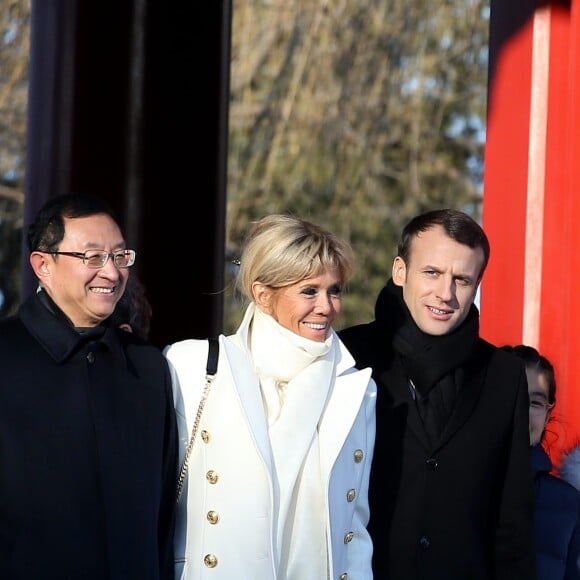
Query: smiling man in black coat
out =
(451, 493)
(87, 423)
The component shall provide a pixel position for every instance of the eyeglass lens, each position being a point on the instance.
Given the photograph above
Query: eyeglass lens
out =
(122, 258)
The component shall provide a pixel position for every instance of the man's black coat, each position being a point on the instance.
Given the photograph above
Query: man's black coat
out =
(87, 453)
(462, 507)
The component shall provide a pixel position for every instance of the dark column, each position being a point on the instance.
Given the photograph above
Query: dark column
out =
(131, 104)
(184, 169)
(50, 110)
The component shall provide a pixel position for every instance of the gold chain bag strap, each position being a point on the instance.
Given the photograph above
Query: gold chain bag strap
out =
(210, 372)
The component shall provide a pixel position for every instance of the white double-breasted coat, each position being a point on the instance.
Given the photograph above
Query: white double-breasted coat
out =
(226, 518)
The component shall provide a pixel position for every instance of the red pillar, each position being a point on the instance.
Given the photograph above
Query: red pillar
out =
(531, 207)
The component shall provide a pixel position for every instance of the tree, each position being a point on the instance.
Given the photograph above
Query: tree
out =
(357, 115)
(14, 49)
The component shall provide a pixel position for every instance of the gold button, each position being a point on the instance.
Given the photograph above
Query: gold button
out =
(212, 476)
(205, 436)
(343, 576)
(358, 455)
(350, 495)
(348, 537)
(210, 560)
(213, 517)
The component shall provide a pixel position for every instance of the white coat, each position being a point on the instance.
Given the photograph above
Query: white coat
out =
(226, 520)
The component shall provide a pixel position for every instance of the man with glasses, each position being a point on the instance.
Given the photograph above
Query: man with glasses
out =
(87, 423)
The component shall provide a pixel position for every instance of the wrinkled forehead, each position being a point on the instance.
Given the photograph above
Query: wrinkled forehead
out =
(434, 247)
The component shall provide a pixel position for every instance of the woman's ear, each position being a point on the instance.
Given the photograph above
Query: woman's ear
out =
(399, 271)
(262, 296)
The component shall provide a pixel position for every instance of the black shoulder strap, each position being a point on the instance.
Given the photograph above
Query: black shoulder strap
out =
(212, 356)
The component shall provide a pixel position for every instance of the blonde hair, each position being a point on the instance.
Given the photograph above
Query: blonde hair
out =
(280, 250)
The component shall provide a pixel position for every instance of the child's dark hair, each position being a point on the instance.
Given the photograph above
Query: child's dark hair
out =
(133, 309)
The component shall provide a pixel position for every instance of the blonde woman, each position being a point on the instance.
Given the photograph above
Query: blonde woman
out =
(278, 475)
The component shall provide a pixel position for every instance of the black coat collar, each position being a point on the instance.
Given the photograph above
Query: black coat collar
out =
(52, 329)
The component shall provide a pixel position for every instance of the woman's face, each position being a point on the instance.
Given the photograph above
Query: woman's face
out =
(539, 404)
(307, 308)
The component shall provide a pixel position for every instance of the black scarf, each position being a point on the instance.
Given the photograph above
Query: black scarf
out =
(434, 364)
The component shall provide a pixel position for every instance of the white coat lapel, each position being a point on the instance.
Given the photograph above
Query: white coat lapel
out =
(240, 372)
(342, 409)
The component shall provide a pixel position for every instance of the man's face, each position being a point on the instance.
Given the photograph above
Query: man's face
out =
(87, 296)
(440, 281)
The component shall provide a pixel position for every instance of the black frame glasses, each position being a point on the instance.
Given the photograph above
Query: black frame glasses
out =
(97, 259)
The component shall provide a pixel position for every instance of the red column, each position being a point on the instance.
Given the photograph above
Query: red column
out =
(531, 208)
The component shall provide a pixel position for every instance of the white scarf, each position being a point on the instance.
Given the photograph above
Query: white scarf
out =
(305, 369)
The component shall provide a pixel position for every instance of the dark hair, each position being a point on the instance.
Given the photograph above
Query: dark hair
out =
(534, 360)
(133, 308)
(457, 225)
(47, 229)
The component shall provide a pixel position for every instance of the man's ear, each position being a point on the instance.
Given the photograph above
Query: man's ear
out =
(262, 296)
(399, 271)
(40, 264)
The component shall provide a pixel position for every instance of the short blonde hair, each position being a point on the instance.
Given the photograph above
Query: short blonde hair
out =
(280, 250)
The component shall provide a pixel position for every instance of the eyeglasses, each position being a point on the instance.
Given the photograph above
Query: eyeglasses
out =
(98, 258)
(538, 406)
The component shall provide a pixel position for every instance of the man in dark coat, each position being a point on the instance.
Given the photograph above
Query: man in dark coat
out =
(451, 492)
(87, 424)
